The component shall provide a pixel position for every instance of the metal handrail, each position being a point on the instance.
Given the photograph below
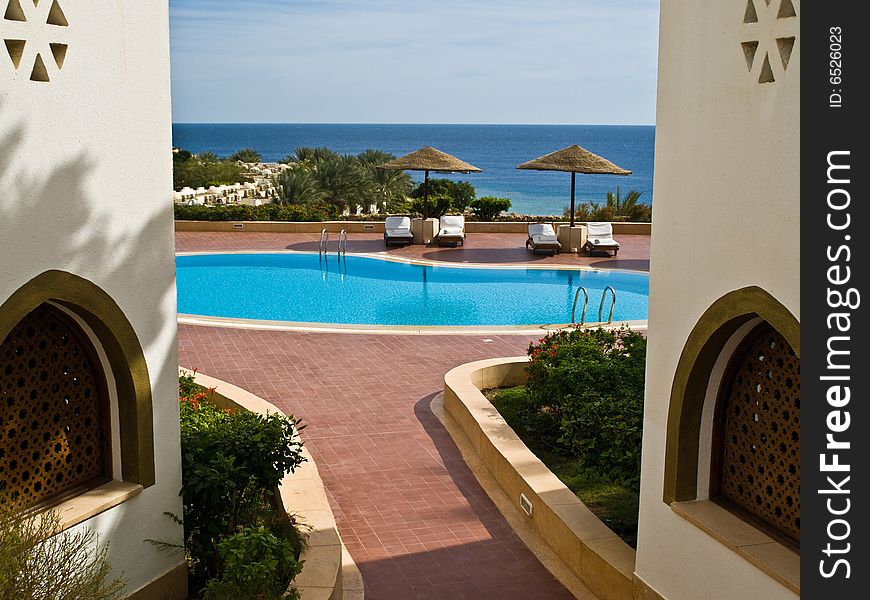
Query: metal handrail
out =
(585, 302)
(324, 242)
(612, 303)
(342, 242)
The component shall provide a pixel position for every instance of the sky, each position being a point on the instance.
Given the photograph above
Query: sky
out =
(414, 61)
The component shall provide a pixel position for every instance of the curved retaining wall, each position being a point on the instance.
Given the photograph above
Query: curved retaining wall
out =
(303, 494)
(602, 561)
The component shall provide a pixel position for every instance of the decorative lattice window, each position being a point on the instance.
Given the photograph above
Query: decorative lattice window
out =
(758, 434)
(25, 26)
(54, 423)
(768, 25)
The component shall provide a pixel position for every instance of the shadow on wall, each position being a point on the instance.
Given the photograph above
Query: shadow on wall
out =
(59, 205)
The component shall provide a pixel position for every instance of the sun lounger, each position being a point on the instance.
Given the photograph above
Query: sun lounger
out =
(542, 237)
(397, 230)
(599, 238)
(451, 230)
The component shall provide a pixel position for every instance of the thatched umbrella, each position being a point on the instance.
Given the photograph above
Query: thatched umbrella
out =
(574, 159)
(429, 159)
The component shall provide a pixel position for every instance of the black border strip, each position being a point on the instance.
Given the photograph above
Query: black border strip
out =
(834, 259)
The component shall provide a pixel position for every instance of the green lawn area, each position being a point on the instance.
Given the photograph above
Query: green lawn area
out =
(614, 503)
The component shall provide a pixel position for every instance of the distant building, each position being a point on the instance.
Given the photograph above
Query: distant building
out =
(259, 190)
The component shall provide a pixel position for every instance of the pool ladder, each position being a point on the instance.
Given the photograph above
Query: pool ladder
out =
(323, 247)
(612, 303)
(342, 242)
(600, 306)
(574, 306)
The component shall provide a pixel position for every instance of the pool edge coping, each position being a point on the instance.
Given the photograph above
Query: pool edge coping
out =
(426, 262)
(313, 327)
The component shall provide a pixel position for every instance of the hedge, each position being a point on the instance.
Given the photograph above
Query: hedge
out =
(245, 212)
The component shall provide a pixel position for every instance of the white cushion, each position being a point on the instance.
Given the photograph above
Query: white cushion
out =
(544, 239)
(544, 229)
(453, 222)
(599, 230)
(603, 242)
(450, 232)
(399, 233)
(398, 223)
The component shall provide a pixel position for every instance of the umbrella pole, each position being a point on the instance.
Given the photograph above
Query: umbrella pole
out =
(426, 196)
(573, 174)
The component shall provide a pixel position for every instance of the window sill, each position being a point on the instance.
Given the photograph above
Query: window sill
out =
(92, 502)
(769, 555)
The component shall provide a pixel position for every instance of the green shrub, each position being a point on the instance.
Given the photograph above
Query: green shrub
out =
(265, 212)
(459, 193)
(232, 462)
(488, 208)
(615, 208)
(615, 503)
(204, 170)
(438, 206)
(256, 566)
(592, 383)
(38, 563)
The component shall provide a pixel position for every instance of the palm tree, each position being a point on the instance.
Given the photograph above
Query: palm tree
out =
(387, 186)
(297, 186)
(339, 179)
(302, 154)
(323, 154)
(342, 180)
(628, 206)
(246, 155)
(374, 158)
(208, 157)
(306, 154)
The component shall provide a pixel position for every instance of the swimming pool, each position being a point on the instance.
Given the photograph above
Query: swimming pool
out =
(370, 291)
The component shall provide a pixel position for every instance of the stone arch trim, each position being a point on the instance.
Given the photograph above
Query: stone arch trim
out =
(688, 391)
(122, 348)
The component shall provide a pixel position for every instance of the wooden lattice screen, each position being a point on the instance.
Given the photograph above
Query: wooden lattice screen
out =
(759, 432)
(53, 411)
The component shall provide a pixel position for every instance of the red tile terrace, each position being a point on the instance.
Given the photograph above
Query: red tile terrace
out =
(412, 515)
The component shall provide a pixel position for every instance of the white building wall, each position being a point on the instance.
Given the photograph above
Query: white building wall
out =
(85, 166)
(726, 216)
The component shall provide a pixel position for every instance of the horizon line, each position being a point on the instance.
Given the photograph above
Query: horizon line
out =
(434, 124)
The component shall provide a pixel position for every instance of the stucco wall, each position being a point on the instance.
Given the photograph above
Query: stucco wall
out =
(84, 169)
(726, 216)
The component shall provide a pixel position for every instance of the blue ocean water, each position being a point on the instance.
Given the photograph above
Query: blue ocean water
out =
(496, 149)
(362, 290)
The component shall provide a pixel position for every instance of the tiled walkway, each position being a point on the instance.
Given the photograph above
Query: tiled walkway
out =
(412, 515)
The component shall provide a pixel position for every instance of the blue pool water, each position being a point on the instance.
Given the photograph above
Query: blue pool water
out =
(361, 290)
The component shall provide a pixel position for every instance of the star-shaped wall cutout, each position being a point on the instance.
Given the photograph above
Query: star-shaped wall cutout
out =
(29, 13)
(775, 19)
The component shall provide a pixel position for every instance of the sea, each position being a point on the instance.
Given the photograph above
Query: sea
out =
(496, 149)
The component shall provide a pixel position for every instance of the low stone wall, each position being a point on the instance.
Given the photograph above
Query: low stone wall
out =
(632, 228)
(282, 226)
(304, 496)
(602, 561)
(373, 227)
